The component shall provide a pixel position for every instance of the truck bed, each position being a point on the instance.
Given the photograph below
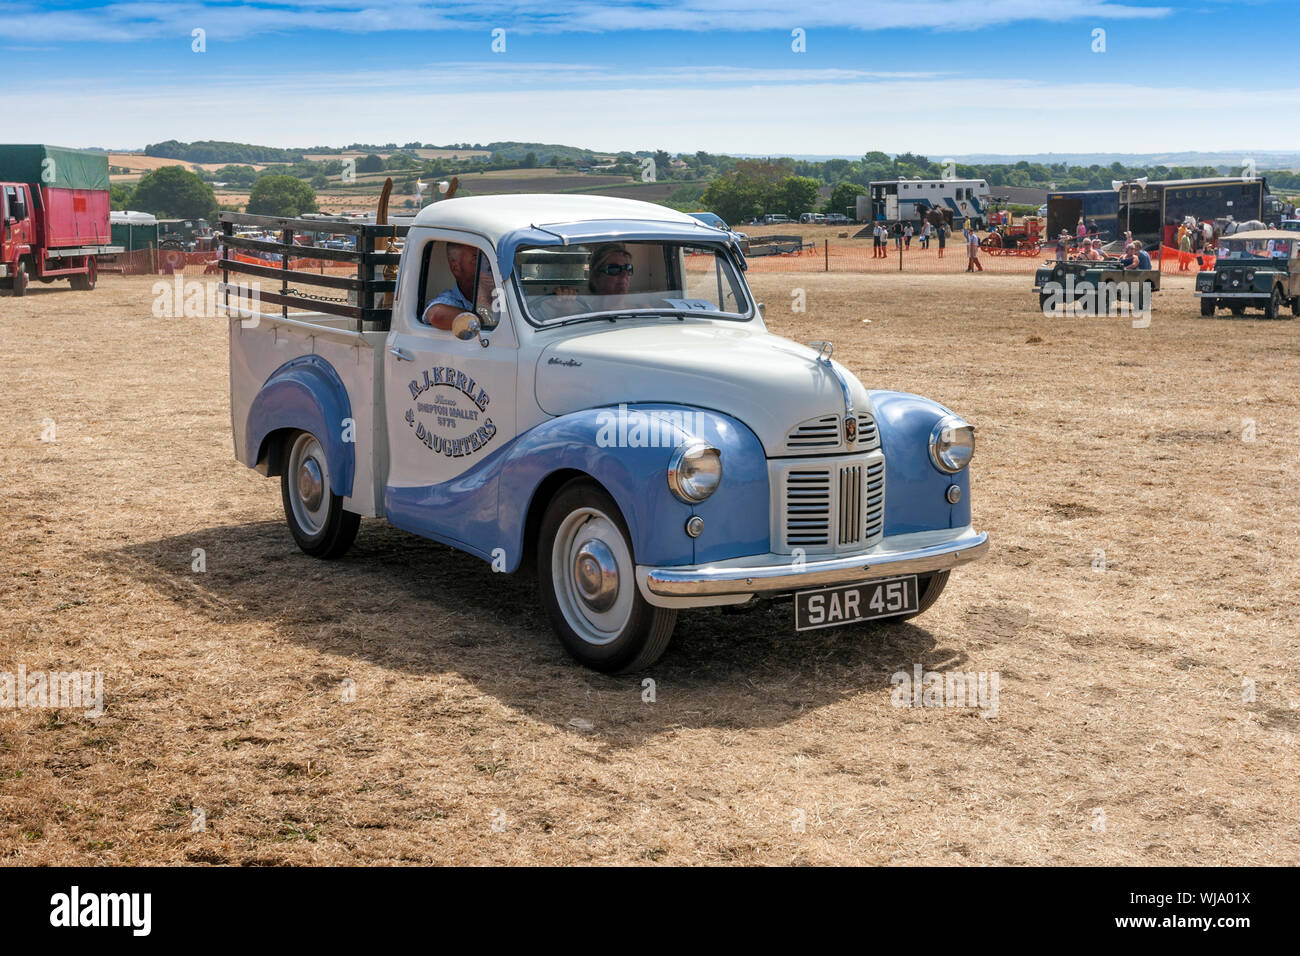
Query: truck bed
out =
(263, 343)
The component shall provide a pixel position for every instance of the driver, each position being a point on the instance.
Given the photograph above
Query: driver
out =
(466, 268)
(609, 276)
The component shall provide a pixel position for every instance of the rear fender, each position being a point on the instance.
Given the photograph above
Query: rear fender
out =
(304, 394)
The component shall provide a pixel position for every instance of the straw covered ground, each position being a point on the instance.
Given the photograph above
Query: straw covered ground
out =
(1138, 608)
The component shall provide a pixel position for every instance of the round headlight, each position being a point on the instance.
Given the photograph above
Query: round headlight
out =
(695, 472)
(952, 443)
(1250, 273)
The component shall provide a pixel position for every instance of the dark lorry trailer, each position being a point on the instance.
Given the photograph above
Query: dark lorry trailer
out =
(54, 205)
(1153, 211)
(1100, 206)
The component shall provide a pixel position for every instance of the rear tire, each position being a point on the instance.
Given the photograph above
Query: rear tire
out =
(314, 513)
(85, 282)
(586, 573)
(1207, 307)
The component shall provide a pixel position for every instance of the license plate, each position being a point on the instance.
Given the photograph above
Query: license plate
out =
(831, 607)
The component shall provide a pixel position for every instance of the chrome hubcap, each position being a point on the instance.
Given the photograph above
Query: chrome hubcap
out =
(595, 575)
(310, 484)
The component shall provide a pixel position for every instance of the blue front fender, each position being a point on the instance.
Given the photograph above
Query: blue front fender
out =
(487, 507)
(915, 489)
(735, 518)
(306, 394)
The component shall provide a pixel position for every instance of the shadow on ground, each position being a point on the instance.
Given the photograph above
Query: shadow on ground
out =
(411, 605)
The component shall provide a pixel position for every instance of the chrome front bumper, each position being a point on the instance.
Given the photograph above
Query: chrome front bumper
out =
(918, 553)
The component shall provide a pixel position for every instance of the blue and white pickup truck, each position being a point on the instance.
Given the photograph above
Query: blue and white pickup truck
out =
(586, 386)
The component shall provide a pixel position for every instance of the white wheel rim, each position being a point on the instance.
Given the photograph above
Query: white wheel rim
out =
(587, 550)
(309, 484)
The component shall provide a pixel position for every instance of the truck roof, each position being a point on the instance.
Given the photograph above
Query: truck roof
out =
(495, 216)
(56, 167)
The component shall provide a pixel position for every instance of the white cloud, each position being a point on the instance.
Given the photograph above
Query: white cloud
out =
(146, 19)
(936, 115)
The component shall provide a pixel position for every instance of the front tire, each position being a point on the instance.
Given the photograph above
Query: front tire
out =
(587, 576)
(1207, 307)
(928, 587)
(1273, 307)
(20, 281)
(314, 513)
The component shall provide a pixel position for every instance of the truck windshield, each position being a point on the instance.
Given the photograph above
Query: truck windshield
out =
(1255, 248)
(600, 278)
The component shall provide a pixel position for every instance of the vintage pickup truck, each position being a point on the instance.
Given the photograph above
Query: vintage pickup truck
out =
(596, 395)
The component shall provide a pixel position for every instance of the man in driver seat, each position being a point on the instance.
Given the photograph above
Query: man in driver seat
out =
(464, 262)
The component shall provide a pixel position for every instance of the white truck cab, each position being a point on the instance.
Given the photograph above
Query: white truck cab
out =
(586, 386)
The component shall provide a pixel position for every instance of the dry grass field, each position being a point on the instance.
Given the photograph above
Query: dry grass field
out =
(1138, 605)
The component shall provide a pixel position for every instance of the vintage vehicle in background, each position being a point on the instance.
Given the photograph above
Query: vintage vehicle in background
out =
(717, 222)
(185, 235)
(963, 201)
(1011, 235)
(1059, 282)
(837, 219)
(609, 409)
(1258, 270)
(53, 216)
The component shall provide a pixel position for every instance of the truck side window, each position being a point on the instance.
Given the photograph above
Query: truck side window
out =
(437, 280)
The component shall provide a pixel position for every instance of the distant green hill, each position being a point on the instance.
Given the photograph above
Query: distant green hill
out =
(217, 151)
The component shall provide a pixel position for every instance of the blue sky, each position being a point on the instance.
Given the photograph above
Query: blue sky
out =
(931, 76)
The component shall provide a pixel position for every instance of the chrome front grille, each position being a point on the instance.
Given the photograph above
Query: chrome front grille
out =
(850, 504)
(827, 504)
(818, 433)
(808, 508)
(824, 436)
(867, 437)
(874, 522)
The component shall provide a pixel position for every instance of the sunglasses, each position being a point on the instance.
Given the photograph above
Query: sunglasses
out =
(614, 269)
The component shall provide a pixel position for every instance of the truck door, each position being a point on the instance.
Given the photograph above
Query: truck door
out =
(450, 402)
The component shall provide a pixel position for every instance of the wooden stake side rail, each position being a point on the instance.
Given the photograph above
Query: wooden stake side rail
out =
(295, 286)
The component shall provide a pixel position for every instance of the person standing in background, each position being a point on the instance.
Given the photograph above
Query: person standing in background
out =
(973, 251)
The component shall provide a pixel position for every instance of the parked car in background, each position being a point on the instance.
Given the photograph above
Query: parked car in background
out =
(812, 218)
(717, 222)
(1291, 225)
(837, 219)
(773, 218)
